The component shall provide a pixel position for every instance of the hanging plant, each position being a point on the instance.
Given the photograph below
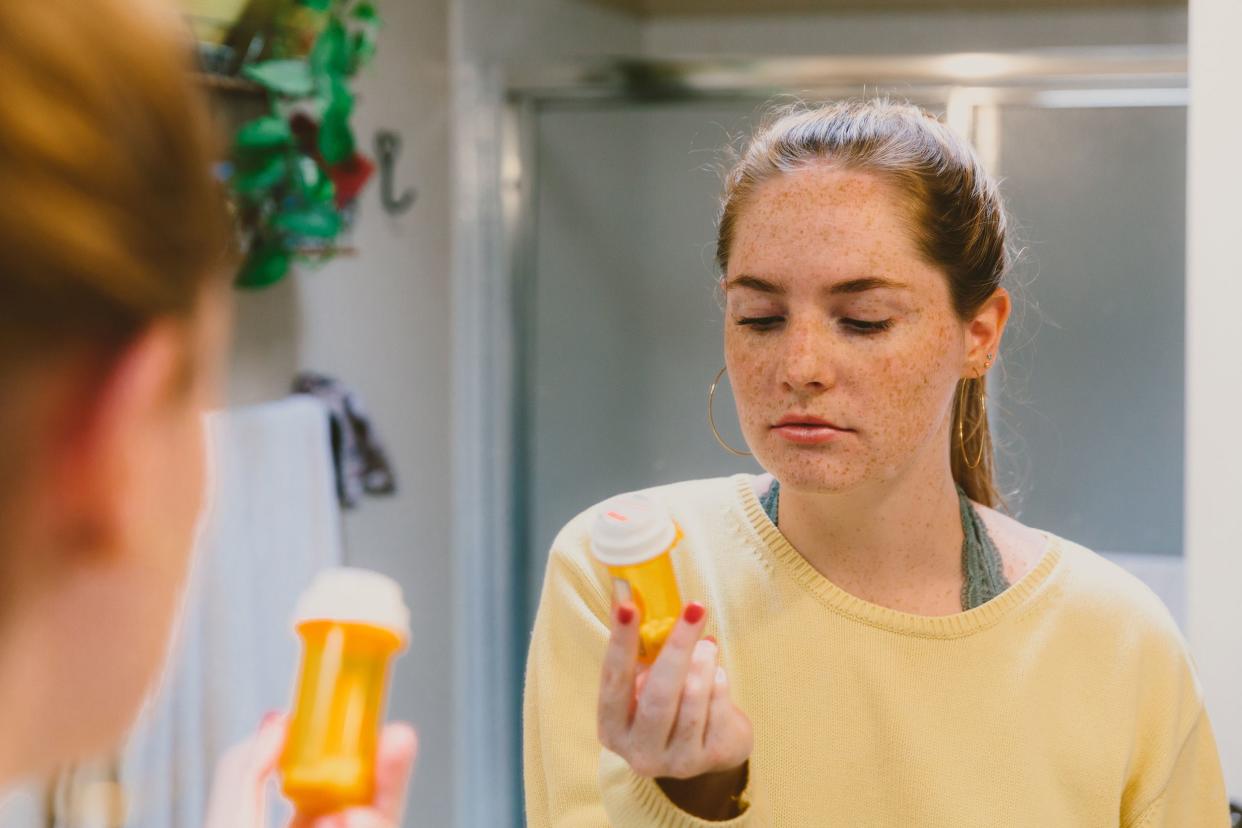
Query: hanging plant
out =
(296, 171)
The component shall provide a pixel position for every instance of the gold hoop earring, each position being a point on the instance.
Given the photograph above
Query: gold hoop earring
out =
(961, 419)
(711, 419)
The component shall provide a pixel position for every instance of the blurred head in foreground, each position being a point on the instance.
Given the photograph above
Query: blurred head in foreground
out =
(114, 248)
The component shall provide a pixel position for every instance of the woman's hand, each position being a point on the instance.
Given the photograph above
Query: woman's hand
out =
(675, 721)
(238, 792)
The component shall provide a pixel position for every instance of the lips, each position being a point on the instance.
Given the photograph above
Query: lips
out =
(807, 420)
(807, 430)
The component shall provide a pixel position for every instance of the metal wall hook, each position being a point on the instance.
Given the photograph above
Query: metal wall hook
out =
(387, 148)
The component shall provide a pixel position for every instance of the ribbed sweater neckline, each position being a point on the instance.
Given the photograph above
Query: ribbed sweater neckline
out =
(958, 625)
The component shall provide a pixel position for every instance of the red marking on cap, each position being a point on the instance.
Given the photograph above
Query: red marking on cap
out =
(618, 516)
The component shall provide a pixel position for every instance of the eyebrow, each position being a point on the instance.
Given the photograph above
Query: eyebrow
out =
(847, 287)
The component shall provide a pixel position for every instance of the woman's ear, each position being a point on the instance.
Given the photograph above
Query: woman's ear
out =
(984, 332)
(107, 438)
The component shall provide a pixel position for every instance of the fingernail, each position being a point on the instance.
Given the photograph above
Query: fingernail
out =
(269, 717)
(694, 612)
(625, 614)
(710, 638)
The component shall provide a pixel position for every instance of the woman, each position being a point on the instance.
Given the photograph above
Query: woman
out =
(113, 284)
(869, 643)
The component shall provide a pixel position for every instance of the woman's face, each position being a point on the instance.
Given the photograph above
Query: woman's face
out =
(842, 344)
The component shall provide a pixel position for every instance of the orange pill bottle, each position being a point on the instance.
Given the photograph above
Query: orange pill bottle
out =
(634, 537)
(352, 622)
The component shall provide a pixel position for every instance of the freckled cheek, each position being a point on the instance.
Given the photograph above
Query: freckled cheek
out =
(751, 374)
(903, 396)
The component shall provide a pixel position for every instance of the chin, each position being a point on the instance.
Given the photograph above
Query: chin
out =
(807, 472)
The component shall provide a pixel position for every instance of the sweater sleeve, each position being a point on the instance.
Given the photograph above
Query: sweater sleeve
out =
(1194, 791)
(571, 781)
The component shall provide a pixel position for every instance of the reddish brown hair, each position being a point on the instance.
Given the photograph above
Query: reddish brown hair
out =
(110, 216)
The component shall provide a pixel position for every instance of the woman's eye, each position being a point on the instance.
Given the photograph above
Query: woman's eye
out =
(761, 323)
(864, 327)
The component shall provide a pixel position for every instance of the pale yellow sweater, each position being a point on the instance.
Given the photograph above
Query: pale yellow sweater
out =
(1069, 700)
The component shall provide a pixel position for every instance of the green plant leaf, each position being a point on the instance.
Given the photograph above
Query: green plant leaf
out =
(325, 192)
(285, 77)
(365, 11)
(319, 221)
(338, 98)
(262, 133)
(316, 5)
(263, 177)
(265, 265)
(329, 57)
(361, 50)
(336, 139)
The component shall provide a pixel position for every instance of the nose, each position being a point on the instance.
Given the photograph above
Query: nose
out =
(806, 364)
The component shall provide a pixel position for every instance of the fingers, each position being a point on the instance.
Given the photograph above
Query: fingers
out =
(364, 818)
(674, 718)
(268, 743)
(394, 759)
(729, 738)
(398, 747)
(237, 791)
(657, 707)
(352, 818)
(356, 818)
(686, 743)
(616, 685)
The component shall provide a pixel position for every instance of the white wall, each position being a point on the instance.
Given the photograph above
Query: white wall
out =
(1214, 373)
(380, 322)
(910, 33)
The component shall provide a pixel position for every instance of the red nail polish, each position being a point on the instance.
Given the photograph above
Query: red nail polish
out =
(710, 638)
(694, 612)
(625, 615)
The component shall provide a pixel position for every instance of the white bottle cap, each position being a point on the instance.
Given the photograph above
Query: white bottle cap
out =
(357, 596)
(631, 529)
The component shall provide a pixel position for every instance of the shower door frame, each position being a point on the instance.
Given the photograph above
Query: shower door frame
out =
(494, 277)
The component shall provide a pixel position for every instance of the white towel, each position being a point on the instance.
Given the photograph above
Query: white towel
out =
(271, 523)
